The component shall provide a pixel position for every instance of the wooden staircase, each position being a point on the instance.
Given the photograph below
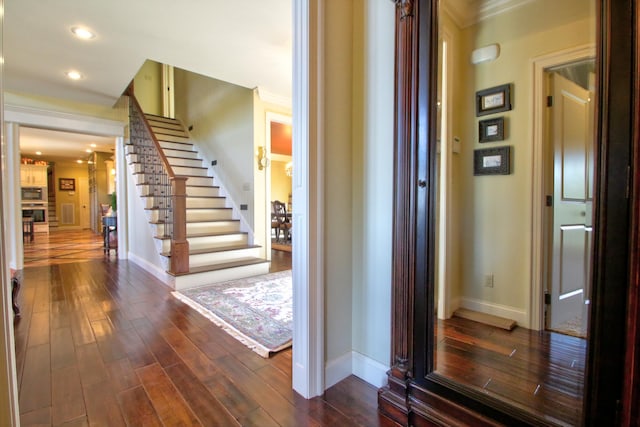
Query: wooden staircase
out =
(218, 249)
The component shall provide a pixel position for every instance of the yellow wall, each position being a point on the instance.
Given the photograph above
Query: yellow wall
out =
(147, 86)
(77, 172)
(492, 217)
(280, 182)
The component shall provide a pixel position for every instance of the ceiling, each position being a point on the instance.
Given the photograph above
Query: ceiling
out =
(248, 45)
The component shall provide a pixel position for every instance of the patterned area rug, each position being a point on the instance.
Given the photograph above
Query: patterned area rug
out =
(257, 311)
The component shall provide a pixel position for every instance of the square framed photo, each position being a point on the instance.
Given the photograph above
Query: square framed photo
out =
(492, 161)
(491, 130)
(493, 100)
(67, 184)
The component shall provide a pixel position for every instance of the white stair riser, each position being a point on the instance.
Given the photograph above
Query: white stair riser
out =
(161, 127)
(162, 124)
(206, 227)
(187, 170)
(163, 132)
(198, 202)
(212, 258)
(210, 242)
(192, 202)
(178, 153)
(202, 279)
(199, 180)
(161, 119)
(189, 163)
(156, 215)
(166, 145)
(203, 191)
(209, 214)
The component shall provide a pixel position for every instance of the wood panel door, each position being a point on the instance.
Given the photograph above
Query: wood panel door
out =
(572, 138)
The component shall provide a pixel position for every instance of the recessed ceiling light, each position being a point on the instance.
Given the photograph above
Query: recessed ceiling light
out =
(88, 150)
(74, 75)
(79, 161)
(82, 33)
(93, 145)
(38, 153)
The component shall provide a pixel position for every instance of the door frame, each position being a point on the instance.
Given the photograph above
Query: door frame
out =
(540, 64)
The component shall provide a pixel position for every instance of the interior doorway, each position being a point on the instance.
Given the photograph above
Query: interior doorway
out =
(569, 198)
(279, 181)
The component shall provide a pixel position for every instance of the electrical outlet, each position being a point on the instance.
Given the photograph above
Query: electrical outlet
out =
(488, 280)
(244, 207)
(214, 162)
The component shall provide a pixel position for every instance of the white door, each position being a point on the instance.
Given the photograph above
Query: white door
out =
(572, 137)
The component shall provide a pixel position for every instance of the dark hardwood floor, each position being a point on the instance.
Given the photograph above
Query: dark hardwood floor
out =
(102, 342)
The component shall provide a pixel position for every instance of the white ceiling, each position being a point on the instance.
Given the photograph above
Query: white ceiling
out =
(247, 43)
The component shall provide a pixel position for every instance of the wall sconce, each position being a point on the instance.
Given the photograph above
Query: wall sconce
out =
(261, 156)
(288, 169)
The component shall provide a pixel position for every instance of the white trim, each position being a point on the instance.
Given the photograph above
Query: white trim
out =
(538, 66)
(515, 313)
(371, 371)
(56, 120)
(338, 369)
(273, 98)
(123, 198)
(307, 259)
(445, 181)
(354, 363)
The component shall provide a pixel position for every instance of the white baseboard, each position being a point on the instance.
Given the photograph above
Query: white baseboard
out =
(517, 314)
(371, 371)
(354, 363)
(159, 273)
(337, 369)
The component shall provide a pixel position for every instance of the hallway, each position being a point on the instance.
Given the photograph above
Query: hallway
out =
(102, 342)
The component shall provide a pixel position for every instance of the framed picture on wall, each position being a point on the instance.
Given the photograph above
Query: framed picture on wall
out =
(492, 161)
(491, 130)
(493, 100)
(67, 184)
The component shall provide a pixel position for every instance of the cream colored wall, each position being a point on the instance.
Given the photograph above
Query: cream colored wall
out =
(493, 213)
(338, 128)
(222, 116)
(77, 172)
(147, 86)
(372, 193)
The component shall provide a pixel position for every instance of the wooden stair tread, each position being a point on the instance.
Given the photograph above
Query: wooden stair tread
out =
(222, 266)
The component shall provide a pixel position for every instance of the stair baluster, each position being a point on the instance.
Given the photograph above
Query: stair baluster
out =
(167, 189)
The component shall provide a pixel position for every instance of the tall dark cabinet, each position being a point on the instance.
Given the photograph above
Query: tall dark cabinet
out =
(415, 394)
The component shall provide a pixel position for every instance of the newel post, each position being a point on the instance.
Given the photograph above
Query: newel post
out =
(179, 244)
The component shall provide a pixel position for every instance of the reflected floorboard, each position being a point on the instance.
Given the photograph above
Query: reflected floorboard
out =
(539, 371)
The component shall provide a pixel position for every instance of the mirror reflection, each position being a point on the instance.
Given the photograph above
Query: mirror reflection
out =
(516, 96)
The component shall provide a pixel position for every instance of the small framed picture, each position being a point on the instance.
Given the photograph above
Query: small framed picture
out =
(67, 184)
(492, 161)
(493, 100)
(491, 130)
